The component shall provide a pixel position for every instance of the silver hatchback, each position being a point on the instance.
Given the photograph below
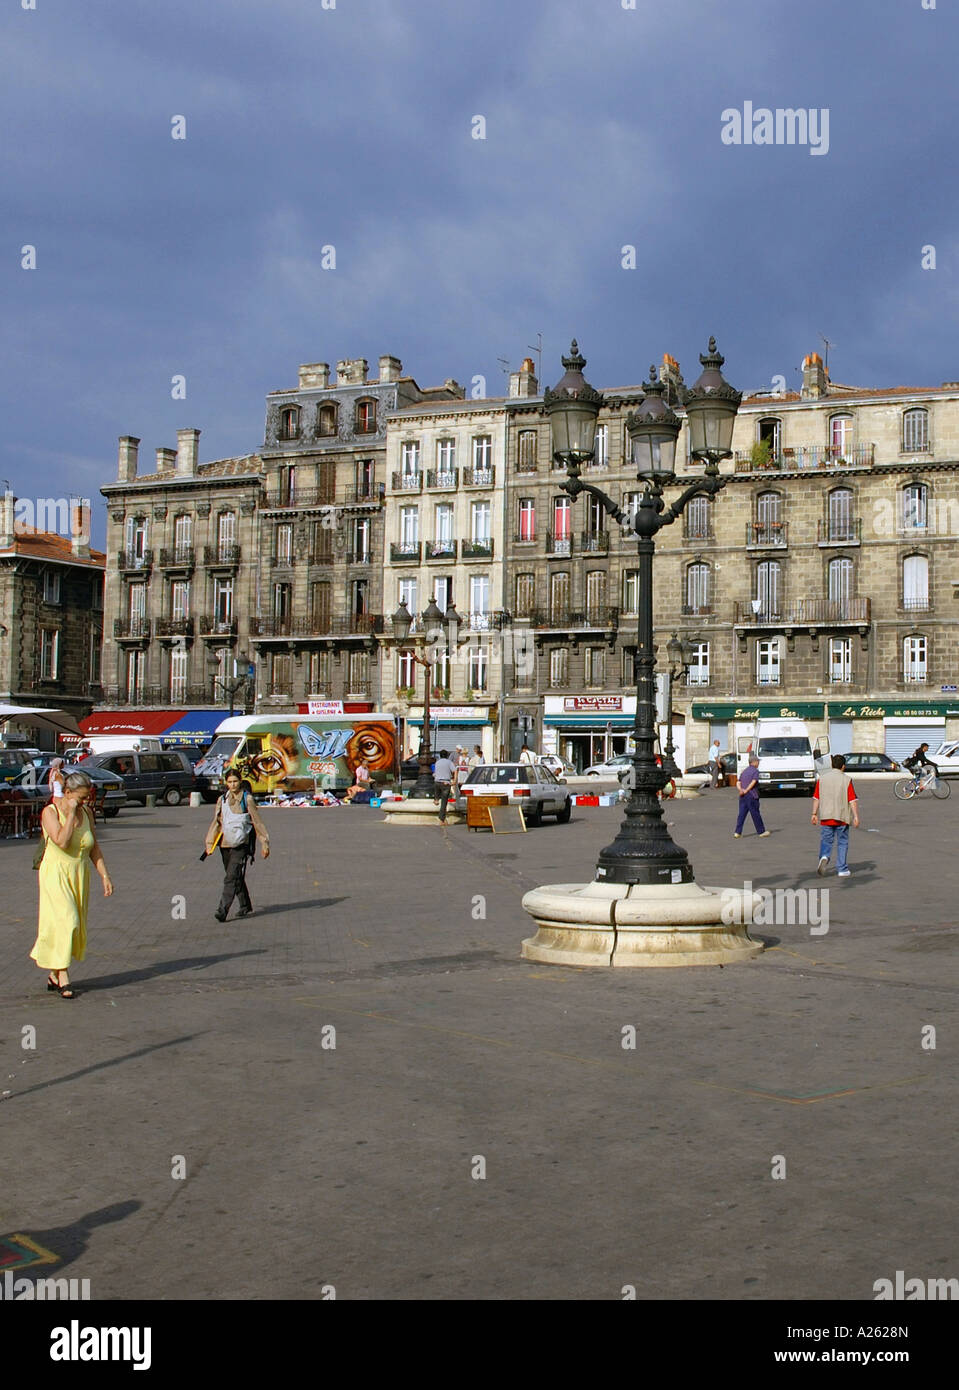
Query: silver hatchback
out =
(531, 786)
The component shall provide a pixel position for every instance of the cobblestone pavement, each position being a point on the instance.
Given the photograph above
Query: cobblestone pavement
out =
(198, 1048)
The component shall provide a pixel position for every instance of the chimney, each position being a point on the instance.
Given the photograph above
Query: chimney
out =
(351, 371)
(672, 379)
(80, 527)
(523, 382)
(391, 368)
(315, 375)
(813, 377)
(127, 470)
(166, 460)
(7, 535)
(187, 449)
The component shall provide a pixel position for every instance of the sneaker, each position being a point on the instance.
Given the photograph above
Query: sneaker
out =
(844, 873)
(736, 835)
(220, 916)
(764, 833)
(823, 864)
(247, 912)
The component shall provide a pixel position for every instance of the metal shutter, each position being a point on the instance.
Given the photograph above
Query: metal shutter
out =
(904, 739)
(840, 735)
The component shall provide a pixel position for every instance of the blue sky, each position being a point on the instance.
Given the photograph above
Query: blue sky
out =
(308, 127)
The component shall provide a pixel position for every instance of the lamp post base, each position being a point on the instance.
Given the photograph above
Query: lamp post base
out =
(620, 925)
(417, 810)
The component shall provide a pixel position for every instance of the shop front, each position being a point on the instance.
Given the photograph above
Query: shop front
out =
(587, 729)
(891, 726)
(450, 725)
(730, 720)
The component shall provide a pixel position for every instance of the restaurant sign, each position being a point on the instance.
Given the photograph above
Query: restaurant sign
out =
(870, 709)
(592, 704)
(760, 709)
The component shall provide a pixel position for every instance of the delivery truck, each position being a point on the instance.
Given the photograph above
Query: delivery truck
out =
(297, 752)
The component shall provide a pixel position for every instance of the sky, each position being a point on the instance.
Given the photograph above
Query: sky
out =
(354, 126)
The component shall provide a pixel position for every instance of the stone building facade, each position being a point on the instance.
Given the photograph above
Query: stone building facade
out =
(51, 615)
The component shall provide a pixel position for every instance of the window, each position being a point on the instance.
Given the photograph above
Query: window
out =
(361, 540)
(768, 662)
(326, 420)
(136, 539)
(136, 666)
(771, 433)
(321, 606)
(478, 668)
(697, 588)
(595, 518)
(282, 602)
(290, 422)
(359, 677)
(525, 595)
(410, 462)
(562, 525)
(527, 519)
(138, 608)
(407, 594)
(286, 483)
(768, 515)
(596, 596)
(840, 435)
(365, 417)
(915, 583)
(225, 535)
(49, 654)
(482, 456)
(441, 667)
(223, 600)
(51, 586)
(526, 452)
(281, 674)
(768, 576)
(480, 523)
(445, 460)
(697, 519)
(914, 659)
(627, 674)
(839, 516)
(443, 592)
(559, 668)
(96, 595)
(405, 671)
(840, 660)
(559, 589)
(360, 598)
(96, 655)
(698, 673)
(595, 666)
(322, 541)
(180, 599)
(178, 674)
(363, 475)
(840, 583)
(284, 544)
(601, 447)
(409, 528)
(321, 672)
(479, 601)
(914, 511)
(631, 591)
(444, 524)
(915, 432)
(182, 536)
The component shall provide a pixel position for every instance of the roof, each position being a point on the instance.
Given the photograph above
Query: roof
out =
(50, 545)
(249, 465)
(836, 391)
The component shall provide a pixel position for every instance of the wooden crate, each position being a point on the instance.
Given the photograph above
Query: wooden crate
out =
(477, 808)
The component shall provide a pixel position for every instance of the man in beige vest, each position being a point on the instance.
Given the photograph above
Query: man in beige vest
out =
(834, 809)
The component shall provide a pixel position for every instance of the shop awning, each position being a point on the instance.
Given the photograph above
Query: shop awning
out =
(453, 723)
(40, 717)
(128, 721)
(195, 727)
(590, 721)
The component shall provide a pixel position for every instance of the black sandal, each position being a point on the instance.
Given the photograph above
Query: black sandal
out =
(52, 984)
(66, 991)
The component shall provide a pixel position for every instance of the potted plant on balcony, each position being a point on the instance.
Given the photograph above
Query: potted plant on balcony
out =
(760, 455)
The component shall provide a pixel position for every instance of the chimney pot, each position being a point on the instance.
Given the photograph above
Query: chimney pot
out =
(80, 527)
(7, 514)
(127, 462)
(166, 460)
(391, 368)
(315, 376)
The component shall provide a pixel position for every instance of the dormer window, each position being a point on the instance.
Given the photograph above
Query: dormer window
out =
(365, 417)
(290, 422)
(326, 421)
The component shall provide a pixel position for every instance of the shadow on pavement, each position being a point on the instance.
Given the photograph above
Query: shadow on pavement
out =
(99, 1066)
(164, 967)
(68, 1243)
(293, 907)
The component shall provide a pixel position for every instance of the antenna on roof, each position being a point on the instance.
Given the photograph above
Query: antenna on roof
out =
(828, 345)
(504, 365)
(539, 354)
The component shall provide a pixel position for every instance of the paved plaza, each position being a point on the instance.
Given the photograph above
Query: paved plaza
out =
(479, 1130)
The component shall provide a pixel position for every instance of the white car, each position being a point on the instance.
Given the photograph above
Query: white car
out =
(612, 767)
(946, 758)
(557, 765)
(530, 785)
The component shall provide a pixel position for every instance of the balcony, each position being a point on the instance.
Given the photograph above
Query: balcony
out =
(697, 532)
(528, 539)
(183, 558)
(282, 561)
(442, 479)
(601, 619)
(594, 542)
(697, 610)
(131, 629)
(406, 553)
(840, 532)
(358, 690)
(225, 556)
(477, 549)
(173, 627)
(525, 466)
(322, 557)
(439, 550)
(370, 495)
(807, 612)
(558, 545)
(212, 626)
(479, 477)
(407, 482)
(279, 689)
(818, 456)
(916, 603)
(359, 557)
(128, 560)
(319, 625)
(766, 535)
(296, 499)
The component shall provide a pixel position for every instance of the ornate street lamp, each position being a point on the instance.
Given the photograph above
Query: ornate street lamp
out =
(680, 655)
(644, 851)
(435, 623)
(234, 684)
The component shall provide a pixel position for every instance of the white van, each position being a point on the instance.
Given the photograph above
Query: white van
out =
(786, 758)
(115, 743)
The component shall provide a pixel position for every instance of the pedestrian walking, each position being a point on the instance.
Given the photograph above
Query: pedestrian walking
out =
(236, 828)
(715, 762)
(834, 808)
(749, 798)
(444, 774)
(70, 847)
(526, 754)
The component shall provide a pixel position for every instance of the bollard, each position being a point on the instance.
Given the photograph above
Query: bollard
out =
(151, 800)
(196, 799)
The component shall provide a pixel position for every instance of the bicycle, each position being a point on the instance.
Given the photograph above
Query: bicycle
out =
(909, 787)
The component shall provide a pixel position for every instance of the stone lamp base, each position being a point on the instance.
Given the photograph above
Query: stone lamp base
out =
(617, 924)
(419, 810)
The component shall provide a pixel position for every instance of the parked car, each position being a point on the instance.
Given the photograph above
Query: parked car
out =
(727, 762)
(858, 763)
(530, 785)
(109, 787)
(946, 758)
(167, 776)
(557, 765)
(612, 767)
(14, 760)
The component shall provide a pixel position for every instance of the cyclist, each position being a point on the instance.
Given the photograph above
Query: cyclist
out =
(920, 765)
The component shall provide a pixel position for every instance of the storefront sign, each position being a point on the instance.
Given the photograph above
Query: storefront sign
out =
(869, 709)
(592, 704)
(324, 707)
(802, 709)
(447, 712)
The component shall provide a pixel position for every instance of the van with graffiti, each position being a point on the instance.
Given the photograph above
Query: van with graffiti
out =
(293, 753)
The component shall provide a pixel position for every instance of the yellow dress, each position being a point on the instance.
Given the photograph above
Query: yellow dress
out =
(64, 897)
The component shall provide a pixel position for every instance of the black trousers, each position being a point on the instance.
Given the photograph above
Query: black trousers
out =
(234, 882)
(443, 793)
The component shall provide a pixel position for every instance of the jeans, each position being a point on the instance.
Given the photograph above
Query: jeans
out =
(839, 833)
(443, 791)
(749, 806)
(234, 882)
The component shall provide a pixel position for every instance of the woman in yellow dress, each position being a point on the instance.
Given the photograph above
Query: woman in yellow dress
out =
(70, 848)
